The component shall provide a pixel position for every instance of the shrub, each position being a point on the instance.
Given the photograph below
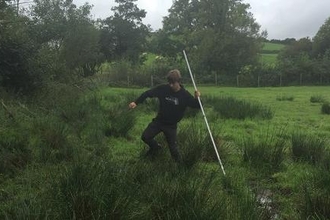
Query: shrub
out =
(325, 109)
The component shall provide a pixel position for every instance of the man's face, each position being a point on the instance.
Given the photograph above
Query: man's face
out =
(175, 86)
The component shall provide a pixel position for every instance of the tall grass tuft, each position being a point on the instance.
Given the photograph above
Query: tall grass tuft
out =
(51, 137)
(191, 143)
(325, 109)
(93, 190)
(285, 97)
(14, 151)
(266, 153)
(317, 99)
(315, 200)
(308, 148)
(120, 120)
(195, 145)
(230, 107)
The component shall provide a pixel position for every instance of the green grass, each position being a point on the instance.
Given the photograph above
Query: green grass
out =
(82, 159)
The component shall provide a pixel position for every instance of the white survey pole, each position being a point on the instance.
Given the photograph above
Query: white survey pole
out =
(206, 122)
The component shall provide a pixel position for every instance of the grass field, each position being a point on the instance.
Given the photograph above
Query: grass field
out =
(83, 158)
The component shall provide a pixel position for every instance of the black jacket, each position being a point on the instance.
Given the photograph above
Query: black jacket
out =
(172, 105)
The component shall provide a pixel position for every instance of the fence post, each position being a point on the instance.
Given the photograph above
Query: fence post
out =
(152, 81)
(237, 80)
(280, 79)
(258, 81)
(216, 78)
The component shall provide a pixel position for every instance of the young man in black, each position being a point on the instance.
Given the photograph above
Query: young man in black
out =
(173, 100)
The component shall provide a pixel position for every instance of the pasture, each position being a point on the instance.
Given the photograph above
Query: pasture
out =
(81, 157)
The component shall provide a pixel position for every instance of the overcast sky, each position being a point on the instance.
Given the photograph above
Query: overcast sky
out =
(281, 18)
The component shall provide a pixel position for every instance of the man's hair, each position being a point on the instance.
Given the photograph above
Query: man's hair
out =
(173, 76)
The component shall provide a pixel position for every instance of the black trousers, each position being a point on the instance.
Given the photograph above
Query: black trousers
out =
(170, 132)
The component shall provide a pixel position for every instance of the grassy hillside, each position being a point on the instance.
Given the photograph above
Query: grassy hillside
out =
(269, 53)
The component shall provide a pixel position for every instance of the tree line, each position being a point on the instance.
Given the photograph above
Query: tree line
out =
(54, 40)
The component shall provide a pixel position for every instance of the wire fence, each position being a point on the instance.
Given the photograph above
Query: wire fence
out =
(266, 80)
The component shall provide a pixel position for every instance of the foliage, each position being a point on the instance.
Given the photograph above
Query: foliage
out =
(322, 39)
(123, 35)
(17, 52)
(68, 32)
(213, 33)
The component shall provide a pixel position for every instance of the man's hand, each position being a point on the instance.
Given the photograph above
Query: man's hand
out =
(197, 94)
(132, 105)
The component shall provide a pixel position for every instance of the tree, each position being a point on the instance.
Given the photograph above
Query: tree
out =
(17, 51)
(295, 62)
(220, 35)
(69, 33)
(123, 35)
(322, 39)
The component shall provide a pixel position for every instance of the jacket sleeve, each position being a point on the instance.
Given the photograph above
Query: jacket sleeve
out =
(147, 94)
(192, 101)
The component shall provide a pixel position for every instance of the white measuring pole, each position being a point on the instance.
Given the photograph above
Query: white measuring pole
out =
(206, 122)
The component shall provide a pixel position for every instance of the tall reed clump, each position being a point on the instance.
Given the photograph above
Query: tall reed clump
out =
(308, 148)
(266, 153)
(230, 107)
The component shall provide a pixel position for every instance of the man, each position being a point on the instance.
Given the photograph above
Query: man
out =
(173, 100)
